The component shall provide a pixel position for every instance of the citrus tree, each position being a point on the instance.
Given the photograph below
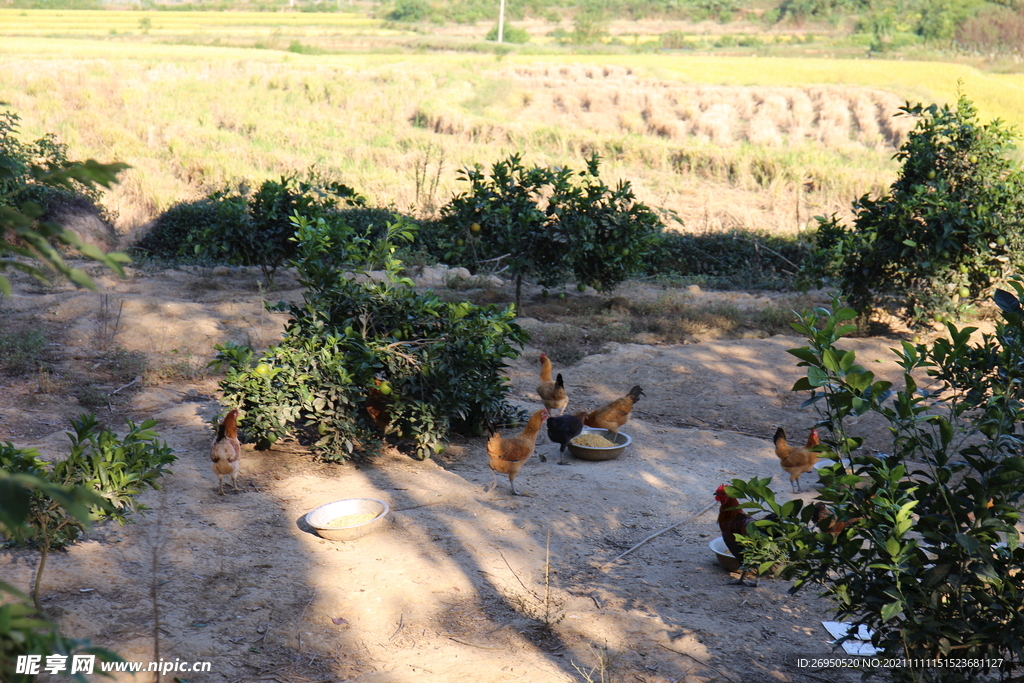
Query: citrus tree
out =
(918, 544)
(367, 358)
(950, 229)
(550, 225)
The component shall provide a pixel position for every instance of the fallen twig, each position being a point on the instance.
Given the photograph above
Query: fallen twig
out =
(513, 572)
(699, 661)
(768, 249)
(655, 535)
(482, 647)
(126, 385)
(401, 623)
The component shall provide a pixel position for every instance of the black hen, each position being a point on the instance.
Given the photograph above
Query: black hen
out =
(562, 430)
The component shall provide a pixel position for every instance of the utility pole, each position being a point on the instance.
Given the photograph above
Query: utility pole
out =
(501, 22)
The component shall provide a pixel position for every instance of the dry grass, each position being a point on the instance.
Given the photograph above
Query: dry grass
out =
(748, 147)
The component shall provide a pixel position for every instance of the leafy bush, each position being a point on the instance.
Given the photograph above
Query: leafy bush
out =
(177, 232)
(734, 259)
(546, 224)
(114, 469)
(510, 34)
(23, 167)
(950, 229)
(365, 359)
(409, 10)
(23, 630)
(929, 559)
(674, 40)
(247, 229)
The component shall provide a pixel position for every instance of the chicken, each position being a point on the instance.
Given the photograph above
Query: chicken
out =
(732, 520)
(826, 521)
(378, 405)
(616, 413)
(562, 430)
(227, 451)
(796, 461)
(508, 456)
(552, 392)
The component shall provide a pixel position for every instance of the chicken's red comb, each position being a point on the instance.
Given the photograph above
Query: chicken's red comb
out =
(721, 490)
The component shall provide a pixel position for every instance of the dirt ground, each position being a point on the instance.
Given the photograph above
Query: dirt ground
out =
(460, 585)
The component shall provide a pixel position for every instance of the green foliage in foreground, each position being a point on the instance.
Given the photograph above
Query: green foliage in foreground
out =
(25, 240)
(930, 559)
(950, 230)
(367, 358)
(117, 469)
(23, 629)
(50, 505)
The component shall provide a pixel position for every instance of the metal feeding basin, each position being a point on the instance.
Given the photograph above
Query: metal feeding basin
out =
(349, 519)
(621, 440)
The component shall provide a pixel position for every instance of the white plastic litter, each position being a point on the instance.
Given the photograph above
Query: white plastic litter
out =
(859, 645)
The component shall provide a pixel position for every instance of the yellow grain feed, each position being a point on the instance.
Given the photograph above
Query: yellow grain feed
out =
(593, 441)
(350, 520)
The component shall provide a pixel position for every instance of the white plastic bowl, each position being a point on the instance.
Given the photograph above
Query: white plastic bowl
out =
(725, 558)
(323, 515)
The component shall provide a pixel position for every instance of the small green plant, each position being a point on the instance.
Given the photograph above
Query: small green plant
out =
(114, 469)
(409, 11)
(949, 231)
(20, 350)
(510, 34)
(365, 359)
(23, 629)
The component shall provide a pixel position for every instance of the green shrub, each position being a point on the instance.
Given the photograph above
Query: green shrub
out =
(510, 34)
(674, 40)
(113, 470)
(733, 259)
(609, 234)
(26, 167)
(23, 629)
(930, 559)
(249, 229)
(176, 232)
(409, 10)
(362, 360)
(949, 231)
(116, 468)
(547, 224)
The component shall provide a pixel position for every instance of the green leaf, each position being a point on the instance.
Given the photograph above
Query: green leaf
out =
(817, 377)
(891, 609)
(804, 353)
(968, 543)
